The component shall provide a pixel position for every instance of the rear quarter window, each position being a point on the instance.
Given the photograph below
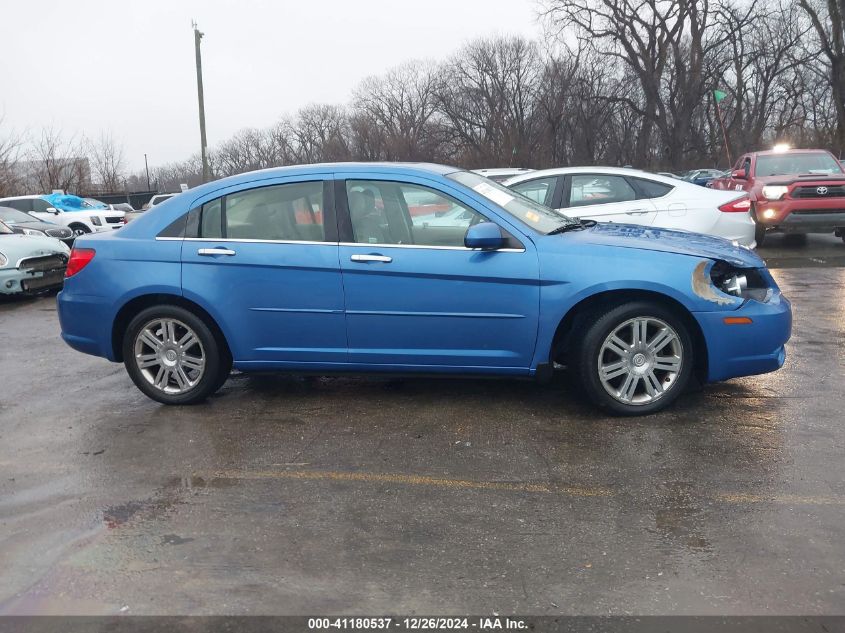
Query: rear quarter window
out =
(652, 188)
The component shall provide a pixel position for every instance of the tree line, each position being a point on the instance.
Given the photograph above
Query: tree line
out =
(611, 82)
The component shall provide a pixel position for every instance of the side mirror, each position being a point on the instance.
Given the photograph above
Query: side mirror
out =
(53, 210)
(739, 174)
(485, 235)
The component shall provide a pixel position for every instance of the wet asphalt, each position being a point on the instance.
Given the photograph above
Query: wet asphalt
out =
(342, 495)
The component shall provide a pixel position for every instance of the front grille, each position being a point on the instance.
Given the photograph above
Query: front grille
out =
(59, 233)
(811, 191)
(114, 220)
(47, 264)
(814, 211)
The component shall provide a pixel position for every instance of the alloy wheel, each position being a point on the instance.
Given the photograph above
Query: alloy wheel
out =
(169, 355)
(640, 360)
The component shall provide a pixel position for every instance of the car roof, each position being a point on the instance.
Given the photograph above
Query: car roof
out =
(405, 169)
(503, 170)
(31, 196)
(615, 171)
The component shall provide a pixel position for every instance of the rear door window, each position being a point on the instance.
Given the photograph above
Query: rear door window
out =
(591, 189)
(290, 213)
(540, 190)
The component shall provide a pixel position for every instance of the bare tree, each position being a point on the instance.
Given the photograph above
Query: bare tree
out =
(828, 20)
(401, 103)
(487, 93)
(10, 152)
(56, 162)
(107, 162)
(320, 133)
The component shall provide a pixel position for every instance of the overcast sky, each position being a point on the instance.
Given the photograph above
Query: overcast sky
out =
(128, 67)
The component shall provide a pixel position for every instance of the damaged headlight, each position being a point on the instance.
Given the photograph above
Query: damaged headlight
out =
(745, 283)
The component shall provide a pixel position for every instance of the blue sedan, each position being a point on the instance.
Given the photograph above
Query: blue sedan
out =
(407, 269)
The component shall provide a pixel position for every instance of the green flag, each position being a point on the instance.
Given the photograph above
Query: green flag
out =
(719, 95)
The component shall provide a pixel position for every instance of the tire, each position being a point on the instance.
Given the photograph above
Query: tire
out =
(658, 376)
(759, 233)
(167, 364)
(79, 229)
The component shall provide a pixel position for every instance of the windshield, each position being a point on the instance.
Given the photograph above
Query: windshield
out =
(537, 216)
(820, 163)
(91, 203)
(14, 216)
(5, 230)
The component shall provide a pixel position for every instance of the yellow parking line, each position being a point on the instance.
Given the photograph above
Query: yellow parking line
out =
(468, 484)
(783, 499)
(414, 480)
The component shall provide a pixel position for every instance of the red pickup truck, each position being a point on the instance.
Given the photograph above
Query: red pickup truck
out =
(792, 191)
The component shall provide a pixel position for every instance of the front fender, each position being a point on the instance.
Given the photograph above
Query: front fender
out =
(571, 277)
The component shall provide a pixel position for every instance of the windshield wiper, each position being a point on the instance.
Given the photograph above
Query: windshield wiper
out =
(572, 226)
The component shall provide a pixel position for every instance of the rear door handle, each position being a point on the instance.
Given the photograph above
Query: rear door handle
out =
(636, 212)
(215, 251)
(371, 258)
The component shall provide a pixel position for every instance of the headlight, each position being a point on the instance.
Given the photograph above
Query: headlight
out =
(3, 260)
(774, 192)
(745, 283)
(95, 220)
(33, 232)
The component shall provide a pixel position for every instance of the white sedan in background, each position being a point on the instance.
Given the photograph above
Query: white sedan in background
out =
(630, 196)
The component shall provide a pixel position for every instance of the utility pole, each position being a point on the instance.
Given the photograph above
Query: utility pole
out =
(197, 37)
(147, 167)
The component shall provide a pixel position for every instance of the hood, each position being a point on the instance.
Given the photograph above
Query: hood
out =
(35, 224)
(669, 241)
(30, 246)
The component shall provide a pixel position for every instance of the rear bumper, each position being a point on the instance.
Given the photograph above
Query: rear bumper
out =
(745, 350)
(82, 319)
(808, 215)
(737, 227)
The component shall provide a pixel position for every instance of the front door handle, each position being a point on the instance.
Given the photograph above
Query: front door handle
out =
(215, 251)
(371, 258)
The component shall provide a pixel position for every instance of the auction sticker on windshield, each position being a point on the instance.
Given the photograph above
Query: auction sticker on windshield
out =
(491, 193)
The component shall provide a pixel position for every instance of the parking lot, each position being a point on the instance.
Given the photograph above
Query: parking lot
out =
(349, 495)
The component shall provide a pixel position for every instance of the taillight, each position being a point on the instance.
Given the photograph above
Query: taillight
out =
(79, 259)
(737, 206)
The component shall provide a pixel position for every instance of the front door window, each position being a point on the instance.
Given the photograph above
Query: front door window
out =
(384, 212)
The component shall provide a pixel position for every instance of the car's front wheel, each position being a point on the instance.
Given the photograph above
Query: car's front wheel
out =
(79, 229)
(172, 355)
(635, 359)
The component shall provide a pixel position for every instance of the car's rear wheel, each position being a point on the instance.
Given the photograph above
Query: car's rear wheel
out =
(172, 355)
(635, 359)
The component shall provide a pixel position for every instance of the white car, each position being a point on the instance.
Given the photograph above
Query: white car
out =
(500, 174)
(630, 196)
(79, 220)
(158, 199)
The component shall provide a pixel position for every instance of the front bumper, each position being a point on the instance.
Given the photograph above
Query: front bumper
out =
(807, 215)
(16, 281)
(748, 349)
